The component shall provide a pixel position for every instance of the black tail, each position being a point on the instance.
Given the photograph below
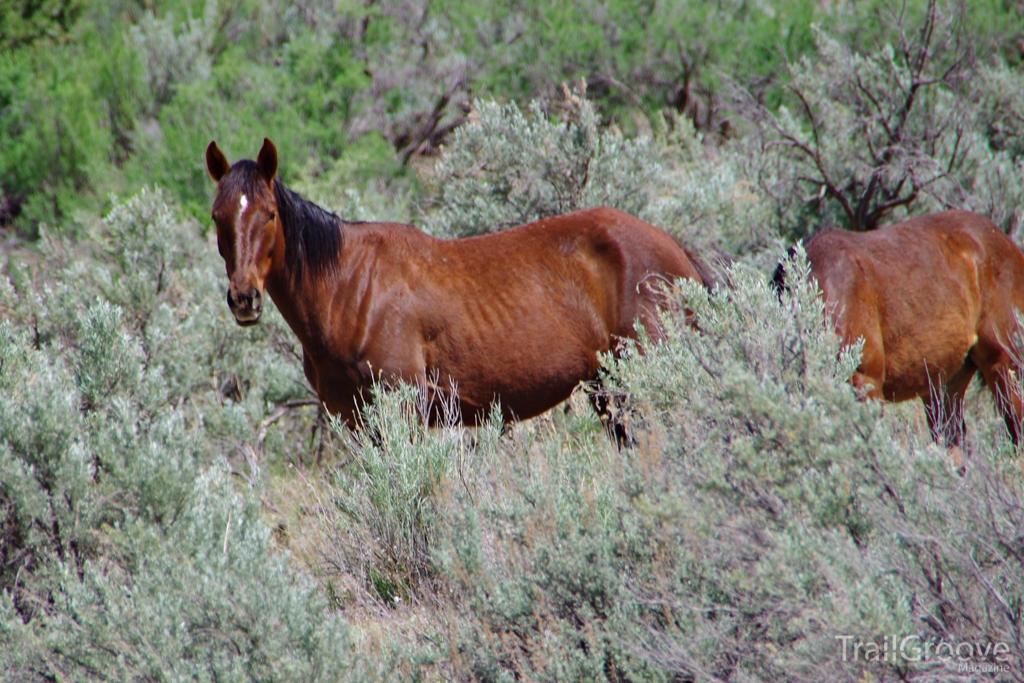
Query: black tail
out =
(779, 276)
(708, 273)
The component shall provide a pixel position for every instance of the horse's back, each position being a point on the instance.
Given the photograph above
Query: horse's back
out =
(603, 253)
(939, 253)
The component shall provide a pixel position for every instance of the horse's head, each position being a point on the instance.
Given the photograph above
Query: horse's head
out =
(248, 226)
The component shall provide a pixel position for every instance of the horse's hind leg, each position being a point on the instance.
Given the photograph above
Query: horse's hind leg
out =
(944, 407)
(1002, 377)
(609, 407)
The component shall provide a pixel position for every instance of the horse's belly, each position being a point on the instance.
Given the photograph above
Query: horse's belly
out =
(919, 365)
(526, 369)
(529, 367)
(524, 389)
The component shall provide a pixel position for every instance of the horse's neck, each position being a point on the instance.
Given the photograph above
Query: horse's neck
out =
(296, 299)
(305, 299)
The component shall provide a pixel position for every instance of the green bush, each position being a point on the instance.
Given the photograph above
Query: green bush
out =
(52, 132)
(636, 59)
(23, 21)
(765, 514)
(126, 552)
(914, 126)
(505, 168)
(123, 557)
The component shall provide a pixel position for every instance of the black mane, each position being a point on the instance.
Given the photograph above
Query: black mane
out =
(312, 235)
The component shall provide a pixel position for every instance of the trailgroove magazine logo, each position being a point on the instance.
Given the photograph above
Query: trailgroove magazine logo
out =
(981, 656)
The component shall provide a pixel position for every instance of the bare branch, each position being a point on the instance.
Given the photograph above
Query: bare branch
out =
(882, 116)
(278, 413)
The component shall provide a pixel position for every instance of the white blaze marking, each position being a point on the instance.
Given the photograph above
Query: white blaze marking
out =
(240, 252)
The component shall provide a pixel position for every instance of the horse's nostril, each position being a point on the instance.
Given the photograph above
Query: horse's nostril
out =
(250, 301)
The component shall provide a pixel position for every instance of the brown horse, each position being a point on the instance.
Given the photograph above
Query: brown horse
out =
(933, 298)
(519, 316)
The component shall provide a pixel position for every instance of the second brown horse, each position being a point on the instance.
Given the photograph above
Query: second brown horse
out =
(518, 316)
(934, 299)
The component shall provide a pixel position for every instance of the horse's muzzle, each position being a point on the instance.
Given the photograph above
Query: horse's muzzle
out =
(246, 308)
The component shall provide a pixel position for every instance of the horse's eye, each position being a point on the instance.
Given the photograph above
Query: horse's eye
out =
(273, 215)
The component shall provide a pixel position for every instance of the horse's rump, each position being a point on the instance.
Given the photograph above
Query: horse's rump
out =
(933, 298)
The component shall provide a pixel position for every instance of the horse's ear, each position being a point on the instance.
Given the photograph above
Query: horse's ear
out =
(266, 162)
(216, 163)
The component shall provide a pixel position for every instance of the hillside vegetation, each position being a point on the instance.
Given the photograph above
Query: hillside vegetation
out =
(174, 505)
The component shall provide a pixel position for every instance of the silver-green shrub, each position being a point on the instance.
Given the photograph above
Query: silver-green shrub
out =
(124, 558)
(126, 550)
(507, 167)
(868, 135)
(391, 487)
(765, 515)
(175, 54)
